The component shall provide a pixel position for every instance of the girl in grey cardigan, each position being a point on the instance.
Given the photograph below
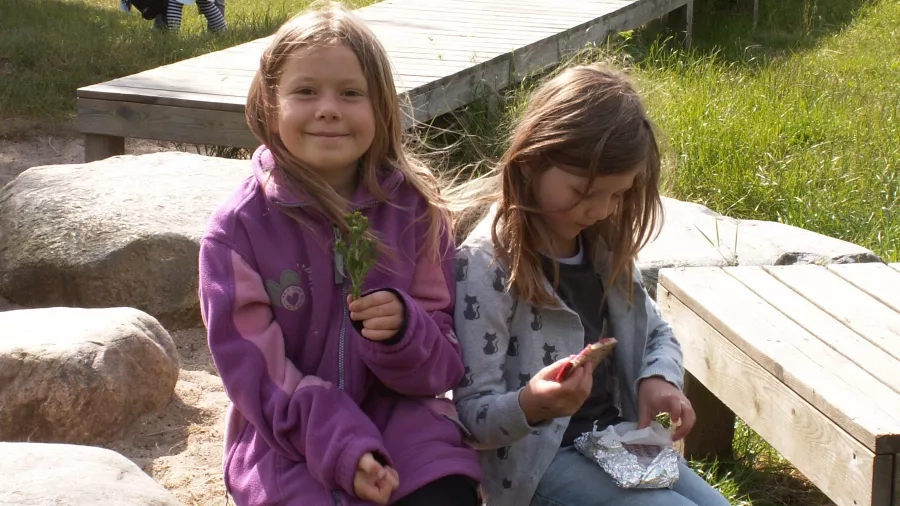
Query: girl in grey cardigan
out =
(550, 269)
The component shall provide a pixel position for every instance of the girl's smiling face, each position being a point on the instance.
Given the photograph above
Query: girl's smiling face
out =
(325, 115)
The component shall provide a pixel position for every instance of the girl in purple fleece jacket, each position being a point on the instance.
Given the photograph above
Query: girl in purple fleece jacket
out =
(323, 414)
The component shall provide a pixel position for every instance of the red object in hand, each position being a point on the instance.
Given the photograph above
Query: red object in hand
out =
(595, 352)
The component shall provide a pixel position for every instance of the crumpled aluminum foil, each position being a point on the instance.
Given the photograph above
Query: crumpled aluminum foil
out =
(633, 458)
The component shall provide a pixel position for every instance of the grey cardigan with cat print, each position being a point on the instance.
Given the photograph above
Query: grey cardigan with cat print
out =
(506, 341)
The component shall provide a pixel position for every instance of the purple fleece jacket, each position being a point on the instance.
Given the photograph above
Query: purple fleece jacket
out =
(309, 394)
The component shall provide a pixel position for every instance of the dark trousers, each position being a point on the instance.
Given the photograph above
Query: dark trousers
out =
(453, 490)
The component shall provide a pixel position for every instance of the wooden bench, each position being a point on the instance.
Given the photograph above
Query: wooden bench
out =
(808, 356)
(444, 53)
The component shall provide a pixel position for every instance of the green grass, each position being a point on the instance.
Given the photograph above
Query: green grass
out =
(758, 475)
(50, 48)
(807, 137)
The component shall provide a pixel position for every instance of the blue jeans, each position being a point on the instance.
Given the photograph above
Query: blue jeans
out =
(574, 480)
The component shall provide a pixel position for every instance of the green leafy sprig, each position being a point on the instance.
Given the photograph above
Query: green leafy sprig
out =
(359, 251)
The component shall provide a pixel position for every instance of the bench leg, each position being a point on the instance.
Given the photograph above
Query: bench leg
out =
(98, 147)
(681, 21)
(713, 433)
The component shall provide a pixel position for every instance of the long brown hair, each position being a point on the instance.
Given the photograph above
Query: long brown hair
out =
(329, 23)
(589, 118)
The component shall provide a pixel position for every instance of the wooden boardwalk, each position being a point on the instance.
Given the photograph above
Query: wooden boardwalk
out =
(808, 356)
(443, 52)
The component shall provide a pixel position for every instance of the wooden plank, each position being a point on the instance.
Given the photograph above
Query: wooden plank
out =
(485, 21)
(404, 40)
(534, 9)
(211, 81)
(548, 51)
(507, 41)
(848, 304)
(392, 36)
(713, 434)
(488, 31)
(681, 21)
(549, 56)
(434, 67)
(430, 100)
(181, 124)
(429, 53)
(630, 16)
(220, 127)
(472, 56)
(219, 59)
(819, 374)
(522, 13)
(189, 85)
(896, 495)
(234, 86)
(432, 63)
(163, 73)
(883, 480)
(456, 91)
(228, 82)
(526, 5)
(466, 12)
(537, 5)
(157, 97)
(98, 147)
(538, 9)
(486, 44)
(877, 280)
(856, 348)
(829, 457)
(192, 68)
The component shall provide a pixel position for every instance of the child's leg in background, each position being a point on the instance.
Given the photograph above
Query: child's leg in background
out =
(574, 480)
(448, 491)
(215, 20)
(173, 15)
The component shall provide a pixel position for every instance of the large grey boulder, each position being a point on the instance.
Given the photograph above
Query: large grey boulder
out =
(72, 375)
(692, 235)
(39, 474)
(123, 231)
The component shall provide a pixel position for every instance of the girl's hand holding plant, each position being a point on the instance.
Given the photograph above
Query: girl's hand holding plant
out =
(381, 312)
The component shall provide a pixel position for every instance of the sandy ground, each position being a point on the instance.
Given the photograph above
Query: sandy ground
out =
(18, 154)
(181, 446)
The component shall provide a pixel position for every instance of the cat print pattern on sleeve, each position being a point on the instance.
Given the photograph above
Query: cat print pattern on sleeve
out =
(473, 310)
(461, 269)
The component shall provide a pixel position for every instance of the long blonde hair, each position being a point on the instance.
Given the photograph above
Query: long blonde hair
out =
(329, 23)
(591, 118)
